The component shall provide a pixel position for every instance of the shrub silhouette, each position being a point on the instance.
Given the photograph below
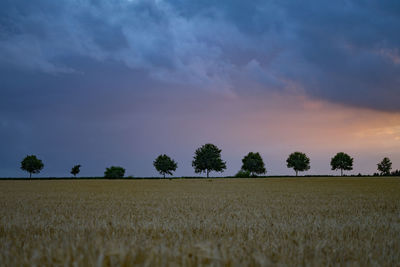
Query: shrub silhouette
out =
(242, 174)
(114, 172)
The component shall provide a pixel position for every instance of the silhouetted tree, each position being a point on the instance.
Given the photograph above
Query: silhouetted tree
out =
(114, 172)
(208, 158)
(342, 162)
(253, 163)
(75, 170)
(31, 164)
(165, 165)
(385, 166)
(298, 161)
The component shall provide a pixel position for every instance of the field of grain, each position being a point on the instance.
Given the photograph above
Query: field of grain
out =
(313, 221)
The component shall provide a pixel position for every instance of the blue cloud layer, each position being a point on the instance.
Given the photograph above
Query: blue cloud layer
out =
(341, 51)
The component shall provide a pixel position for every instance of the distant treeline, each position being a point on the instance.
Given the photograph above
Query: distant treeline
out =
(207, 159)
(393, 174)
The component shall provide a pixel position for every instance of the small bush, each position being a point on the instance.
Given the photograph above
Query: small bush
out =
(114, 172)
(242, 174)
(395, 173)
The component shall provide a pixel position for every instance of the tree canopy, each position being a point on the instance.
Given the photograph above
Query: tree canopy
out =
(342, 161)
(165, 165)
(208, 158)
(385, 166)
(31, 164)
(75, 170)
(114, 172)
(253, 163)
(298, 161)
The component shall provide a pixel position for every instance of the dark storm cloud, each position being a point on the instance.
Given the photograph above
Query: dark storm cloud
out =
(351, 52)
(341, 51)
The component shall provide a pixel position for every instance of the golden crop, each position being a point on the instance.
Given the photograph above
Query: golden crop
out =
(296, 222)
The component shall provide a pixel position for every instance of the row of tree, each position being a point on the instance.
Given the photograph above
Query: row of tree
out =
(207, 158)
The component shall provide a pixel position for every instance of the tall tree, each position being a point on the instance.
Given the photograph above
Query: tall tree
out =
(343, 162)
(208, 158)
(75, 170)
(31, 164)
(253, 163)
(165, 165)
(298, 161)
(385, 166)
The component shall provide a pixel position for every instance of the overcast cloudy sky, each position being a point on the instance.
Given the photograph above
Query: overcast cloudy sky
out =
(104, 83)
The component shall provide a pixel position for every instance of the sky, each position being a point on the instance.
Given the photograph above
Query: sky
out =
(101, 83)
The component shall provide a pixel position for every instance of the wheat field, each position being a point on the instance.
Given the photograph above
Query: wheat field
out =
(196, 222)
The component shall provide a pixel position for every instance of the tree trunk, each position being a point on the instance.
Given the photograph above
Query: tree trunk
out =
(207, 173)
(297, 172)
(30, 175)
(164, 175)
(341, 172)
